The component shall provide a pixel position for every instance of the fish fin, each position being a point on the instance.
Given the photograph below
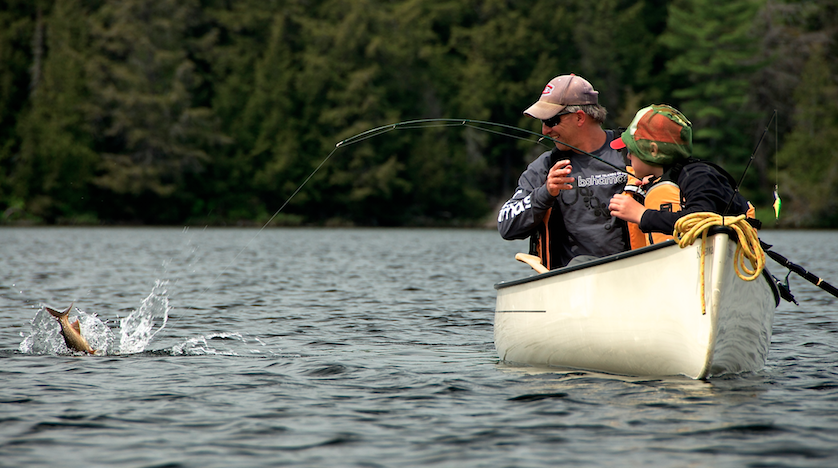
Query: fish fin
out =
(76, 326)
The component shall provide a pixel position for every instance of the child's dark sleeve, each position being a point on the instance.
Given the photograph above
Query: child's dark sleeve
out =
(702, 189)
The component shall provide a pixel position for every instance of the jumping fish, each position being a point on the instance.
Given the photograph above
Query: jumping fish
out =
(71, 332)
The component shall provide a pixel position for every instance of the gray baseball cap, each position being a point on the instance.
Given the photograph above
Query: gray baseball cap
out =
(560, 92)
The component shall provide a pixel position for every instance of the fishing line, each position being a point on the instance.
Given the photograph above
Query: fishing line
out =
(783, 261)
(268, 222)
(407, 125)
(748, 166)
(777, 202)
(427, 123)
(411, 124)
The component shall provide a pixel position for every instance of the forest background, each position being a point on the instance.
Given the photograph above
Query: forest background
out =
(216, 112)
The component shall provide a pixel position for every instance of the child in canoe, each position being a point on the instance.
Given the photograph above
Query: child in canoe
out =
(659, 144)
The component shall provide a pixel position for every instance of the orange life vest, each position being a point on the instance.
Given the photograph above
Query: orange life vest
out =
(663, 195)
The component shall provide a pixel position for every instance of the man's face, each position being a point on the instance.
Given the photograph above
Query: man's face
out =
(564, 130)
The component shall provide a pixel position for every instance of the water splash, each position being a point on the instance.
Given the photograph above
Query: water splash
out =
(223, 344)
(45, 335)
(135, 331)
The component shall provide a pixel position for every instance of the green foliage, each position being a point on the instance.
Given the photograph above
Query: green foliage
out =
(151, 131)
(209, 111)
(55, 160)
(808, 156)
(712, 48)
(16, 27)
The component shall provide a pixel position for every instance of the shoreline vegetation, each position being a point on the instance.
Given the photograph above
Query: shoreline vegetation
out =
(214, 113)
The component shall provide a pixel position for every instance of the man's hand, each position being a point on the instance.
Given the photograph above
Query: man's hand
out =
(558, 178)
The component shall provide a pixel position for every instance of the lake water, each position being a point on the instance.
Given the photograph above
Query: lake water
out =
(366, 348)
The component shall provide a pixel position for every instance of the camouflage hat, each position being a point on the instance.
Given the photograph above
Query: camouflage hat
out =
(662, 125)
(560, 92)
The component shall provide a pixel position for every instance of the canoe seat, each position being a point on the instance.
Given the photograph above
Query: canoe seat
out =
(532, 261)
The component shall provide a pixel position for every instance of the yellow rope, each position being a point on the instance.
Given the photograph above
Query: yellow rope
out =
(689, 227)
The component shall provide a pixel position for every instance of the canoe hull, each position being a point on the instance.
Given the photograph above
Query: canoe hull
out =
(640, 314)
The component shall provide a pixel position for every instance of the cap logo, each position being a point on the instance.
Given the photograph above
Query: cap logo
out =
(547, 89)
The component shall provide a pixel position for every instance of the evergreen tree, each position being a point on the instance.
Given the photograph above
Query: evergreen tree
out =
(17, 26)
(712, 56)
(809, 167)
(216, 111)
(251, 65)
(55, 162)
(151, 132)
(618, 58)
(507, 52)
(343, 90)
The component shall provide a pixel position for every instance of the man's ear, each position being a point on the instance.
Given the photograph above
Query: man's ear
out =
(581, 117)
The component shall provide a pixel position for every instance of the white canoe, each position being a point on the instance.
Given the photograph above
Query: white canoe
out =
(640, 313)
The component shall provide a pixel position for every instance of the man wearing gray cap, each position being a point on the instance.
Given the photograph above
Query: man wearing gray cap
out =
(561, 202)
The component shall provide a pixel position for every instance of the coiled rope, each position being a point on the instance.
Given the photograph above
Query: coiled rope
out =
(689, 227)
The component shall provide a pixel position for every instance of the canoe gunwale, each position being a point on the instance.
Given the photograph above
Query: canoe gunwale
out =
(631, 253)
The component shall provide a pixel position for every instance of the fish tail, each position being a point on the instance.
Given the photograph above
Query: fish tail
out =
(58, 314)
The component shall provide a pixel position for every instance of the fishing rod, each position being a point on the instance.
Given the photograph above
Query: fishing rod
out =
(435, 123)
(430, 123)
(783, 261)
(751, 160)
(803, 272)
(411, 124)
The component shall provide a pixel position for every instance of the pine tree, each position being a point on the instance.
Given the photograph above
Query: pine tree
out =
(152, 130)
(712, 52)
(17, 26)
(343, 90)
(808, 162)
(56, 163)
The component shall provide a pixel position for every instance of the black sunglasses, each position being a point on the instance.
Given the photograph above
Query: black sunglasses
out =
(556, 119)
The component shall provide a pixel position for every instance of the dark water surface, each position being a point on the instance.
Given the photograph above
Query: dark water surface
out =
(370, 347)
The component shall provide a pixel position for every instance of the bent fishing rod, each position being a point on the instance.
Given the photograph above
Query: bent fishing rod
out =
(430, 123)
(476, 124)
(413, 124)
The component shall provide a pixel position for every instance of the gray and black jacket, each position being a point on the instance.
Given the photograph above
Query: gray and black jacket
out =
(577, 221)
